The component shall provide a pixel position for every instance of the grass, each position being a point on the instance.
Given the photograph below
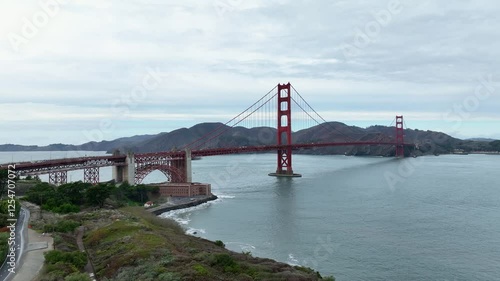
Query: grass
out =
(132, 244)
(4, 246)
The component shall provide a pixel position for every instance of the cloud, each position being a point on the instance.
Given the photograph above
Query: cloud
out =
(214, 63)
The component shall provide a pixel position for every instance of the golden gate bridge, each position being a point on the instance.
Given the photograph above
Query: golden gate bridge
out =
(273, 110)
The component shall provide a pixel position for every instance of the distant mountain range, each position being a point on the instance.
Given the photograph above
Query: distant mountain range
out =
(428, 142)
(482, 139)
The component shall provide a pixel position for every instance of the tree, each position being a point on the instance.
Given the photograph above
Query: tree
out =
(63, 199)
(41, 193)
(495, 145)
(3, 181)
(74, 192)
(96, 195)
(4, 211)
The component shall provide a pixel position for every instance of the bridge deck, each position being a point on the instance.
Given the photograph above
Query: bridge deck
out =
(68, 164)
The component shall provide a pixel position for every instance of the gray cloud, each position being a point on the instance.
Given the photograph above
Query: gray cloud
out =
(428, 58)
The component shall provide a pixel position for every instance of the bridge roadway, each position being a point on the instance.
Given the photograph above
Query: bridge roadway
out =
(262, 148)
(69, 164)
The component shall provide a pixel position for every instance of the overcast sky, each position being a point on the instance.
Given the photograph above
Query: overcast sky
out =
(71, 70)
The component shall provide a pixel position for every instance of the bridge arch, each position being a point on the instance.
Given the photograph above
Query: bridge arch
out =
(172, 173)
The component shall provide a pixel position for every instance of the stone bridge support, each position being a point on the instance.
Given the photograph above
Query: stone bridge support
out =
(189, 170)
(126, 172)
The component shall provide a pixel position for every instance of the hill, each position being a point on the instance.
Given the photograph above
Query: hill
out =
(130, 244)
(428, 142)
(89, 146)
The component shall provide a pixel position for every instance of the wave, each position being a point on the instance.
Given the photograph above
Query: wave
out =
(224, 196)
(292, 260)
(194, 231)
(244, 247)
(183, 216)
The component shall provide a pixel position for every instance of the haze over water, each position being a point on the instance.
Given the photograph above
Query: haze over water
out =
(343, 218)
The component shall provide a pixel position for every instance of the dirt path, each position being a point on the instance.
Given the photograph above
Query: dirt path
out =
(79, 241)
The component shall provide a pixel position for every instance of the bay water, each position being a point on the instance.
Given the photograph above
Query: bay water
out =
(358, 218)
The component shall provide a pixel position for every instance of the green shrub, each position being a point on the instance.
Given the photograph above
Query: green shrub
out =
(147, 270)
(77, 259)
(62, 226)
(200, 270)
(78, 277)
(220, 243)
(247, 253)
(4, 210)
(304, 269)
(227, 263)
(169, 276)
(66, 208)
(57, 272)
(57, 239)
(4, 246)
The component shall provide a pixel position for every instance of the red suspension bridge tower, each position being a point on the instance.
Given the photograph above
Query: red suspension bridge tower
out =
(284, 168)
(400, 149)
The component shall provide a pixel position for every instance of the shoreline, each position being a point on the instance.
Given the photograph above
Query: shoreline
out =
(166, 207)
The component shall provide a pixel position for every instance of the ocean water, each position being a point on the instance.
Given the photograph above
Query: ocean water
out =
(426, 218)
(358, 218)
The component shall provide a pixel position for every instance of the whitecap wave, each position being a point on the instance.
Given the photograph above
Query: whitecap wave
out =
(238, 246)
(225, 196)
(194, 231)
(183, 216)
(292, 260)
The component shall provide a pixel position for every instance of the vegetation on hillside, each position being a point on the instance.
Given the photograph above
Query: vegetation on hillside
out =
(71, 197)
(6, 212)
(132, 244)
(431, 142)
(137, 245)
(4, 245)
(3, 181)
(495, 145)
(65, 262)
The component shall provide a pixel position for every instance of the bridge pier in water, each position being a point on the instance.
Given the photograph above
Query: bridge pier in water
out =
(284, 168)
